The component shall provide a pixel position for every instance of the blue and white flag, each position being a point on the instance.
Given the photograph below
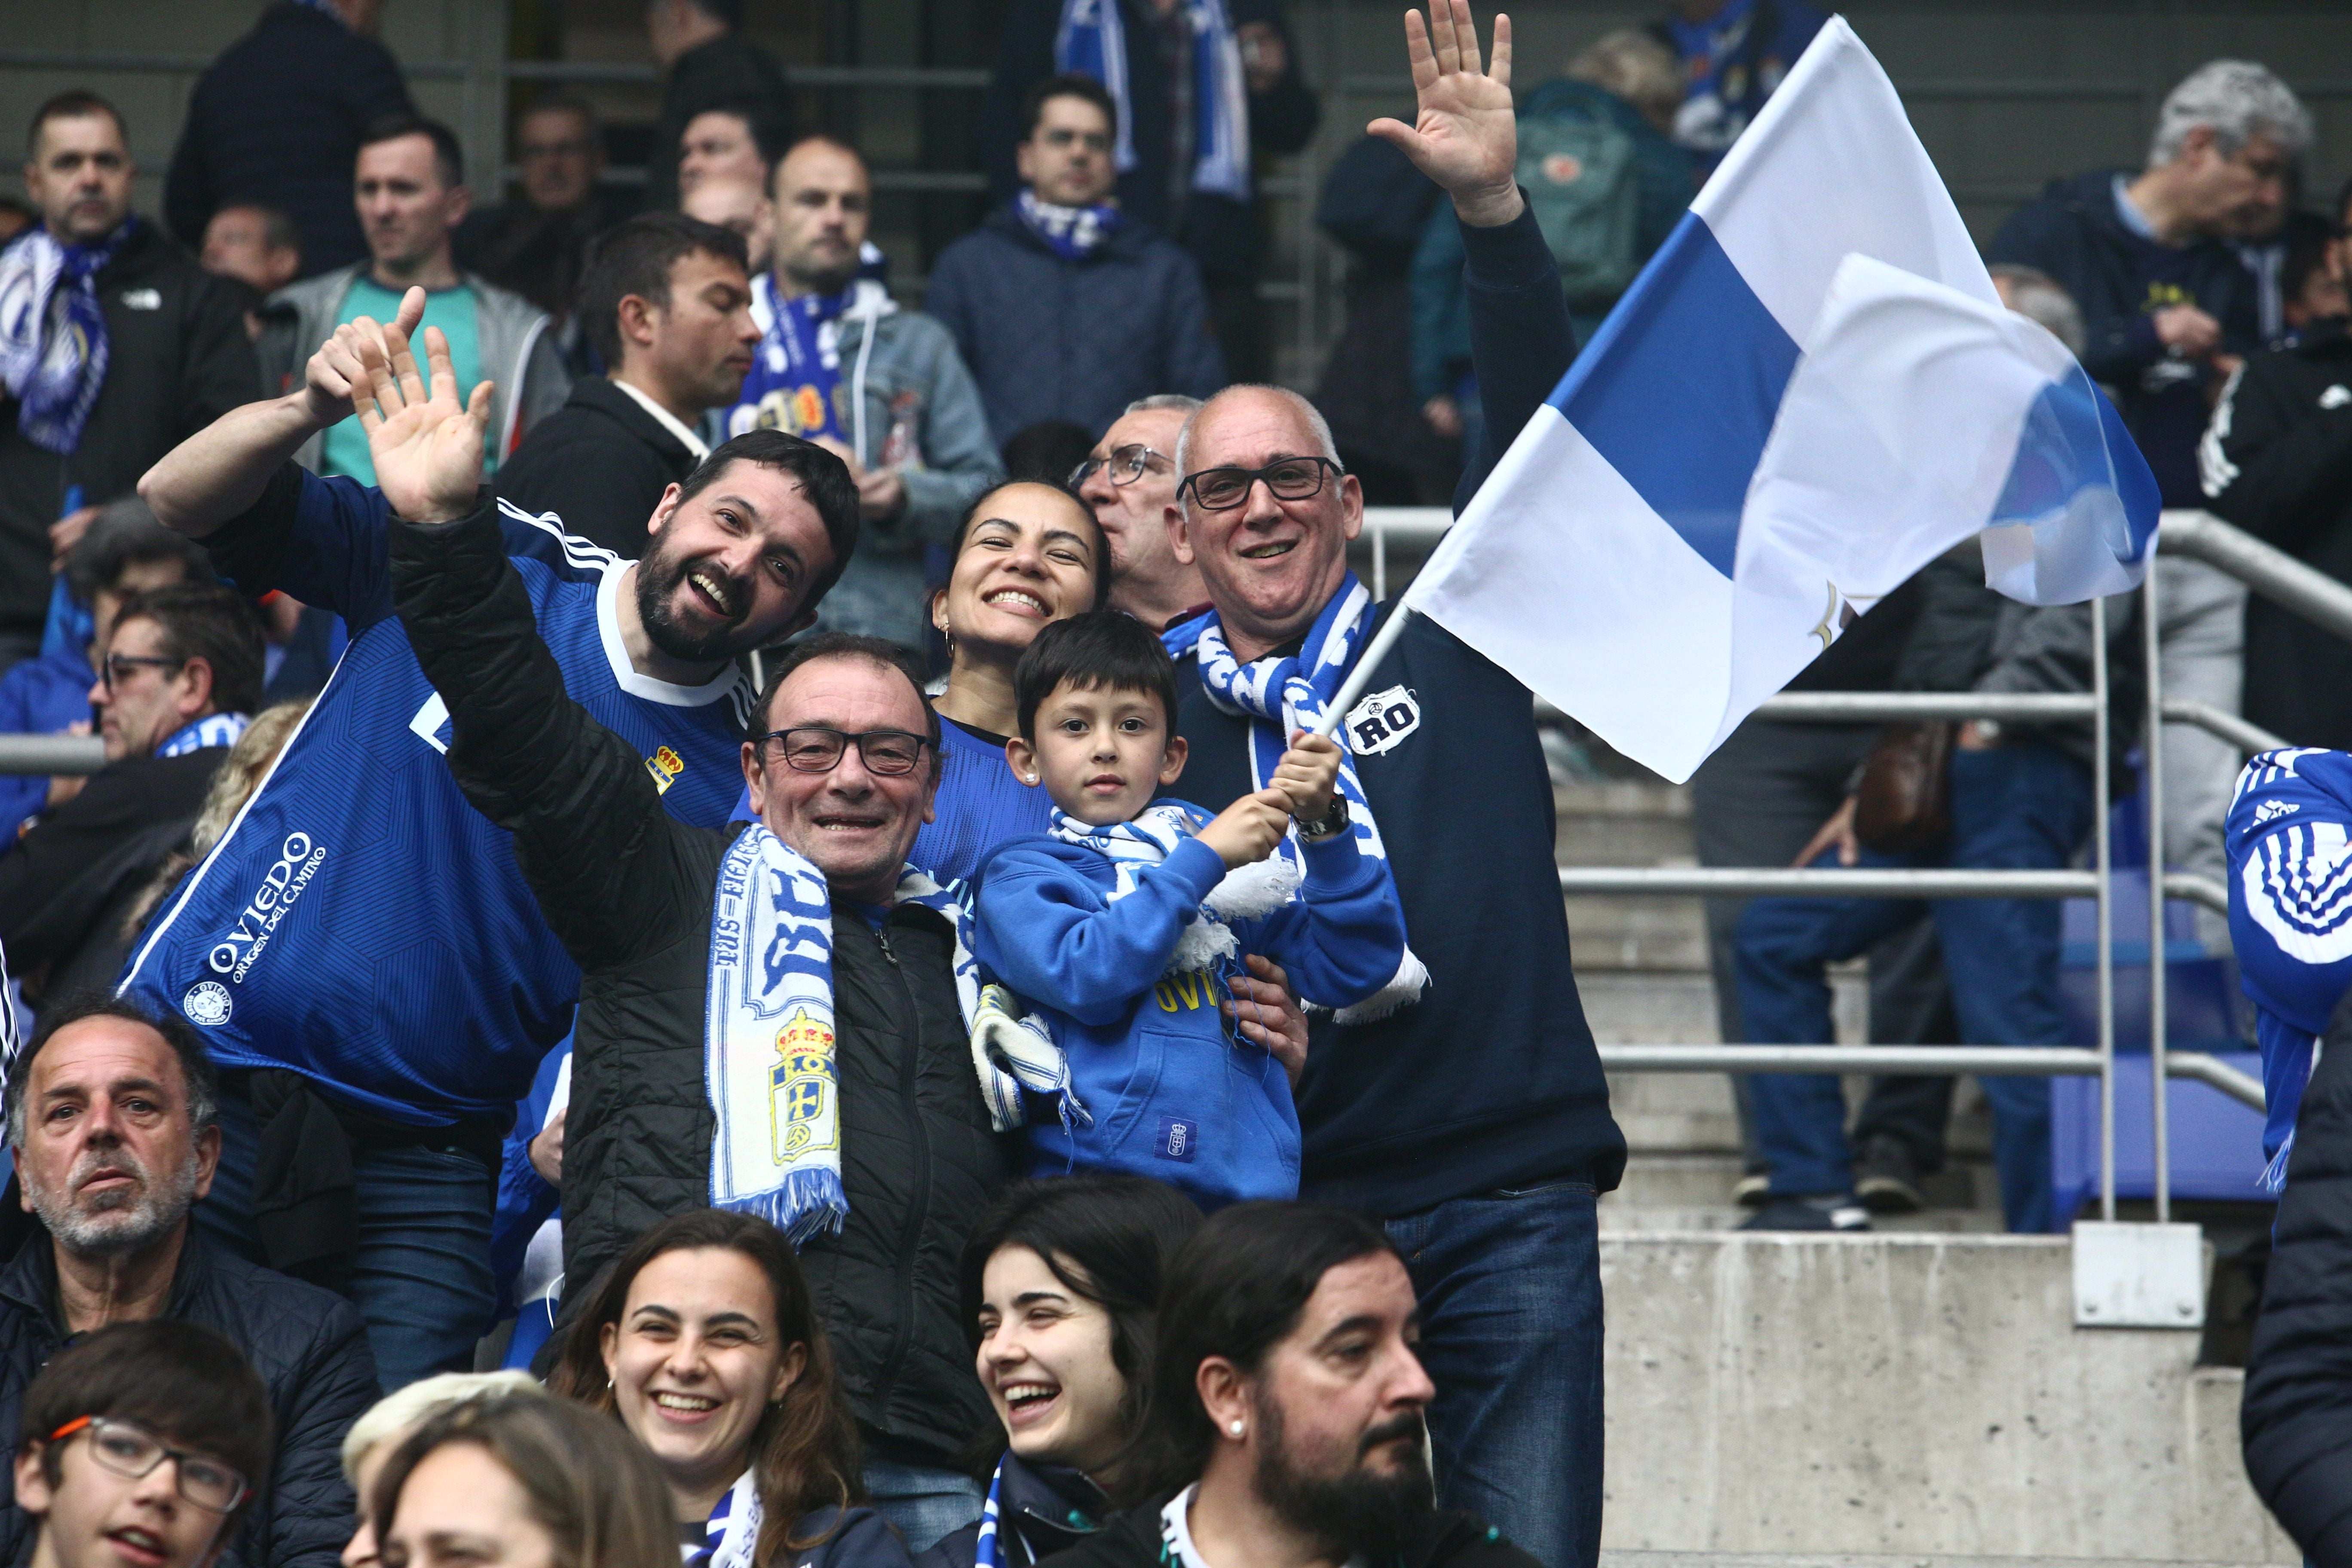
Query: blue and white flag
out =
(1810, 392)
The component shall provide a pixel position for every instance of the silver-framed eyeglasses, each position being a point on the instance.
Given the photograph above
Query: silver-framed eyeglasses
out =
(818, 748)
(132, 1451)
(1126, 464)
(1290, 479)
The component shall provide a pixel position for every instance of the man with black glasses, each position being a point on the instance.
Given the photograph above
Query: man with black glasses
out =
(1129, 480)
(773, 1017)
(112, 1116)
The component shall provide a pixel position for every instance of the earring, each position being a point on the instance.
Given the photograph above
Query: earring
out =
(1237, 1429)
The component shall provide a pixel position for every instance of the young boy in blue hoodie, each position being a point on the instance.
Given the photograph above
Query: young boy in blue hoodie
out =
(1121, 926)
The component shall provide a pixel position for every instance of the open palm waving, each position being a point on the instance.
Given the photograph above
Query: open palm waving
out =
(427, 447)
(1463, 136)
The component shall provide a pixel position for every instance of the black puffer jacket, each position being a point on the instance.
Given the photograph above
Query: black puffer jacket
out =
(629, 890)
(310, 1348)
(2297, 1422)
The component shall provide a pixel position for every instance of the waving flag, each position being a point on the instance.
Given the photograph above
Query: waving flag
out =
(1809, 392)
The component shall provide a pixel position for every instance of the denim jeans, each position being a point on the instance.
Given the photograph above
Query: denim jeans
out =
(922, 1503)
(423, 1276)
(1509, 1283)
(2023, 806)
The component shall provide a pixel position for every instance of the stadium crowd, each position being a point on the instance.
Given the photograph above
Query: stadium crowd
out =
(948, 1081)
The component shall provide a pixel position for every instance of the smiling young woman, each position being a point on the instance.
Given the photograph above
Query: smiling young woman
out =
(1026, 554)
(704, 1343)
(1060, 1281)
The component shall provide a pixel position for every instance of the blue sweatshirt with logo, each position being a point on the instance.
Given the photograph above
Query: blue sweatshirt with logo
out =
(1176, 1094)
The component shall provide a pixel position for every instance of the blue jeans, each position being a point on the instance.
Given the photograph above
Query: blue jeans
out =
(922, 1503)
(1509, 1283)
(422, 1281)
(2023, 806)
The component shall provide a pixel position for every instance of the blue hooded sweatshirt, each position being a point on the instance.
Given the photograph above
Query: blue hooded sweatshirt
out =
(1174, 1093)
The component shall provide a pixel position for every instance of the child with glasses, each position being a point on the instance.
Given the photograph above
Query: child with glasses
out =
(1121, 926)
(141, 1447)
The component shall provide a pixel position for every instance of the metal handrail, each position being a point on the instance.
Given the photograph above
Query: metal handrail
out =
(53, 754)
(2266, 569)
(1862, 882)
(2016, 1061)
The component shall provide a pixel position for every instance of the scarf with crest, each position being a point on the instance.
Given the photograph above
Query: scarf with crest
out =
(53, 345)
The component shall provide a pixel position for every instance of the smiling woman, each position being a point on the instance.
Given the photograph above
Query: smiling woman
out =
(704, 1343)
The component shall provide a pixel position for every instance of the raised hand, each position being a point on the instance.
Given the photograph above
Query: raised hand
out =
(426, 446)
(1309, 774)
(1248, 829)
(1463, 136)
(334, 373)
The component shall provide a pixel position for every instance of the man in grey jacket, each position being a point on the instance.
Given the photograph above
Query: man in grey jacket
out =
(840, 364)
(408, 187)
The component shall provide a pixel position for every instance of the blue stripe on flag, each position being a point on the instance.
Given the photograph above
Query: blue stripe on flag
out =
(1679, 388)
(2065, 448)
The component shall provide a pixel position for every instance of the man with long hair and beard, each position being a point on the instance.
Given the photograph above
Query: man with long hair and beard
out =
(1287, 1423)
(361, 951)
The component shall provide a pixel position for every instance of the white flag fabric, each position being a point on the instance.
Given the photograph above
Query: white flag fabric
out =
(1810, 392)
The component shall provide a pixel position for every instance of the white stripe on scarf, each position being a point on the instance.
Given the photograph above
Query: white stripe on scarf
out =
(212, 730)
(1247, 893)
(768, 1035)
(1091, 40)
(1287, 694)
(731, 1535)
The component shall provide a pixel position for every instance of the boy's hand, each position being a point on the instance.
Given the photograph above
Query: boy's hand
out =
(1248, 829)
(1309, 774)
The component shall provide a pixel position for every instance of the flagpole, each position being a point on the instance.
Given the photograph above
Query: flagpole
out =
(1362, 676)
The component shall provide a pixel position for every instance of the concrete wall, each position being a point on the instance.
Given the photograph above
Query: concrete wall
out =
(1907, 1394)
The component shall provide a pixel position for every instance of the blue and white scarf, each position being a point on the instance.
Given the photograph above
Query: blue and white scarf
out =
(212, 730)
(53, 346)
(768, 1035)
(1092, 41)
(988, 1551)
(730, 1536)
(1071, 233)
(1287, 694)
(1207, 941)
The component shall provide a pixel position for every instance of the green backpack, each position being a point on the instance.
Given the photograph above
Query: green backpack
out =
(1580, 179)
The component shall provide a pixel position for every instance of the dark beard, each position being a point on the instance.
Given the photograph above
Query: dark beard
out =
(659, 576)
(1361, 1512)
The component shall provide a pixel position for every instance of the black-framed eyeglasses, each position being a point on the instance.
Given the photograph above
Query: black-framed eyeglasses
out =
(817, 748)
(119, 665)
(132, 1452)
(1127, 464)
(1291, 478)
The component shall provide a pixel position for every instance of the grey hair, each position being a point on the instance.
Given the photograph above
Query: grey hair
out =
(2041, 299)
(1162, 402)
(1312, 416)
(2236, 99)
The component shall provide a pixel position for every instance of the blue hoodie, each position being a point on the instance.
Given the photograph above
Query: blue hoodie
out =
(1173, 1094)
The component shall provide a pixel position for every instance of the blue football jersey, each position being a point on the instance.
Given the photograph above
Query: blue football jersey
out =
(360, 922)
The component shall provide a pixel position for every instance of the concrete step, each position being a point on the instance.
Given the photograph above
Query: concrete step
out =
(1674, 1112)
(1890, 1399)
(1661, 1221)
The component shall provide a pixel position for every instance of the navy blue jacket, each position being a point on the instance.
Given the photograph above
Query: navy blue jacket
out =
(2072, 232)
(1041, 1509)
(1492, 1080)
(1050, 338)
(276, 120)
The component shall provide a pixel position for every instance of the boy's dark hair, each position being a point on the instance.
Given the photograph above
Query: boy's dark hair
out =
(1099, 650)
(1235, 1290)
(770, 132)
(125, 534)
(75, 104)
(208, 621)
(179, 1380)
(636, 258)
(822, 476)
(1070, 84)
(197, 1075)
(448, 154)
(1107, 1237)
(852, 644)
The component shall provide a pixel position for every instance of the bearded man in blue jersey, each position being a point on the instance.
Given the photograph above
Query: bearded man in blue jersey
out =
(361, 951)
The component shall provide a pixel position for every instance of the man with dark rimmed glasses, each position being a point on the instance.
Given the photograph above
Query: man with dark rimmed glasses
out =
(770, 1015)
(1129, 480)
(142, 1445)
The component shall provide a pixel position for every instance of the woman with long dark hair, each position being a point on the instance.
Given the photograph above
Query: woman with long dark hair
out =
(1060, 1280)
(704, 1343)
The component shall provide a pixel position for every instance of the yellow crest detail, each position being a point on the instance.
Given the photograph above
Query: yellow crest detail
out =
(801, 1089)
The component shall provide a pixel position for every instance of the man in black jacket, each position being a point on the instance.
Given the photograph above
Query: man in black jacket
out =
(1476, 1123)
(668, 303)
(110, 1118)
(178, 679)
(175, 358)
(2277, 461)
(276, 120)
(631, 894)
(706, 63)
(1286, 1416)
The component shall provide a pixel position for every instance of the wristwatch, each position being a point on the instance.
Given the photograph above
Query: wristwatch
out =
(1333, 821)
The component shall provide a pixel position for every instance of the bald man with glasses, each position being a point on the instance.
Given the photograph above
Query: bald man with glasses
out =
(1129, 480)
